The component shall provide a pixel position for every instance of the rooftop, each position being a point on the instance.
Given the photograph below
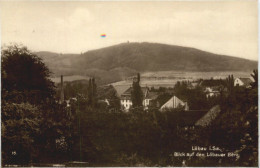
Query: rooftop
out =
(152, 95)
(129, 90)
(209, 116)
(246, 81)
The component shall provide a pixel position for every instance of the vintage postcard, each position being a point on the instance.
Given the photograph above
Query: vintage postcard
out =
(129, 84)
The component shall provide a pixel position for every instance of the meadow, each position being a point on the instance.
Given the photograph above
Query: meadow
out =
(169, 78)
(69, 78)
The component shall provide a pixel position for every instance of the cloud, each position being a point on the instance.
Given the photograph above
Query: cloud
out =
(80, 17)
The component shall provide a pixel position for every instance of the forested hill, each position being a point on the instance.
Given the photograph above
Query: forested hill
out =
(127, 58)
(156, 57)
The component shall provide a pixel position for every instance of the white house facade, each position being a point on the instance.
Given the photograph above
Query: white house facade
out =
(243, 82)
(126, 101)
(210, 92)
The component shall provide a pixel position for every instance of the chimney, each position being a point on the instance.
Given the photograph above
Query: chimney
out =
(62, 90)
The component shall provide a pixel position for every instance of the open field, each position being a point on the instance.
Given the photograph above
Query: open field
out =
(169, 78)
(160, 78)
(69, 78)
(196, 75)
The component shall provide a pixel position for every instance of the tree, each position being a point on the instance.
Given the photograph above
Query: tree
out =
(92, 92)
(114, 101)
(195, 97)
(240, 133)
(181, 89)
(137, 94)
(230, 84)
(24, 73)
(255, 77)
(20, 126)
(31, 118)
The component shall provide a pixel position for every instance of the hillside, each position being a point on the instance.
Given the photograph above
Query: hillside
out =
(120, 61)
(158, 57)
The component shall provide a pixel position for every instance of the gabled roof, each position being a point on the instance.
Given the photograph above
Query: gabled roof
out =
(246, 81)
(120, 89)
(209, 116)
(152, 95)
(173, 102)
(161, 99)
(129, 90)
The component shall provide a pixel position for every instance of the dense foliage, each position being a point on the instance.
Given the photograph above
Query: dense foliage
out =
(149, 138)
(195, 96)
(240, 133)
(24, 72)
(31, 118)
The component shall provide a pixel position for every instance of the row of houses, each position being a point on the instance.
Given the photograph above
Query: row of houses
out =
(212, 87)
(188, 118)
(149, 98)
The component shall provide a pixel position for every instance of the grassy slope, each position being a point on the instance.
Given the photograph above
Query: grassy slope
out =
(157, 57)
(117, 62)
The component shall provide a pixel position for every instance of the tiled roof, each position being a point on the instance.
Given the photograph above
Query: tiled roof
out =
(209, 116)
(246, 81)
(120, 89)
(152, 95)
(129, 90)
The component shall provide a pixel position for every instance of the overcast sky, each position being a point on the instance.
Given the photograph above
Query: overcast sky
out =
(222, 27)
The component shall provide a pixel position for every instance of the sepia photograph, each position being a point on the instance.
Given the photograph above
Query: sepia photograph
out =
(129, 84)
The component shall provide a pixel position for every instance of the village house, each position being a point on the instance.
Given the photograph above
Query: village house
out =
(243, 82)
(126, 100)
(211, 91)
(174, 102)
(212, 87)
(148, 96)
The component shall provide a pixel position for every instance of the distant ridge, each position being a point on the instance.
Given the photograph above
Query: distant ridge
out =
(125, 59)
